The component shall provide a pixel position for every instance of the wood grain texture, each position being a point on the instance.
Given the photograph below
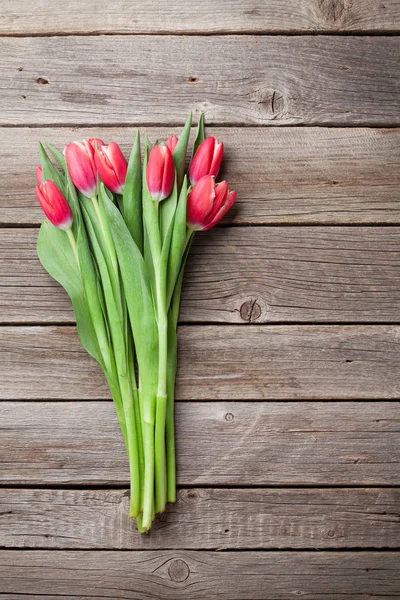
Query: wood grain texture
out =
(217, 443)
(237, 275)
(282, 175)
(218, 362)
(204, 519)
(22, 17)
(164, 575)
(263, 80)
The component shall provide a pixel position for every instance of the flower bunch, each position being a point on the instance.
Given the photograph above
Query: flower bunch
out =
(116, 237)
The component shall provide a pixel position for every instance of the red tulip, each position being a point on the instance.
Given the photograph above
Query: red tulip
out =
(160, 172)
(112, 166)
(223, 201)
(207, 203)
(39, 175)
(200, 201)
(207, 159)
(172, 142)
(81, 164)
(54, 205)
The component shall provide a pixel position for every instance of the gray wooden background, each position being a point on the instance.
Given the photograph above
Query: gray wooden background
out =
(287, 414)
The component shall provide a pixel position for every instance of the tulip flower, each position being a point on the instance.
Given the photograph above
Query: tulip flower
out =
(172, 142)
(112, 166)
(160, 172)
(81, 164)
(207, 203)
(39, 175)
(54, 204)
(207, 159)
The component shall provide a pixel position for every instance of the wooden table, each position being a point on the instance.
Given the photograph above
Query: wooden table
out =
(289, 381)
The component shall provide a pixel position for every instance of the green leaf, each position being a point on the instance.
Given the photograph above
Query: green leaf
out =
(50, 171)
(137, 291)
(178, 240)
(59, 156)
(179, 153)
(132, 196)
(200, 134)
(58, 258)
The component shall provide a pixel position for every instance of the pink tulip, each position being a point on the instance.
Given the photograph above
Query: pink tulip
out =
(207, 159)
(81, 164)
(223, 201)
(160, 172)
(112, 167)
(39, 175)
(207, 203)
(54, 205)
(172, 142)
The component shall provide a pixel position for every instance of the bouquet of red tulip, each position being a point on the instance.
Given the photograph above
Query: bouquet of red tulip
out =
(116, 237)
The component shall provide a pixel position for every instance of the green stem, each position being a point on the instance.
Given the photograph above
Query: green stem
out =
(148, 485)
(161, 405)
(170, 417)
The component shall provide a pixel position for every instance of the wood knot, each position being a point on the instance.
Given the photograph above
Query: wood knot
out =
(192, 79)
(331, 533)
(178, 570)
(334, 12)
(192, 495)
(250, 311)
(42, 80)
(229, 417)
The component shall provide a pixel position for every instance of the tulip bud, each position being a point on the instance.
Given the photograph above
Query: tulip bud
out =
(207, 159)
(54, 205)
(112, 167)
(39, 175)
(81, 165)
(160, 172)
(172, 142)
(207, 203)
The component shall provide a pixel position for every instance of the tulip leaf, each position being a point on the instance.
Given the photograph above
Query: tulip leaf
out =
(178, 241)
(179, 153)
(200, 134)
(132, 196)
(57, 257)
(50, 171)
(59, 156)
(139, 301)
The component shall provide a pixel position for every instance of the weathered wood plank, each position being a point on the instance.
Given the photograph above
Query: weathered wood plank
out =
(217, 443)
(203, 519)
(238, 275)
(285, 175)
(255, 80)
(59, 575)
(23, 17)
(218, 362)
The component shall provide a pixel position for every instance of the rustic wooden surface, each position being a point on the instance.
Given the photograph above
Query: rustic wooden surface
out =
(237, 275)
(237, 80)
(203, 518)
(241, 443)
(21, 17)
(168, 575)
(289, 381)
